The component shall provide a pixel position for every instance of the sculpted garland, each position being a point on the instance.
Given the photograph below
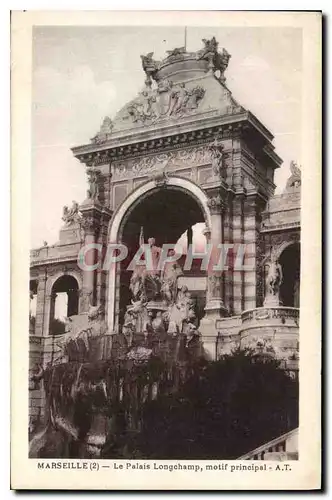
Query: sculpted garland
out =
(192, 157)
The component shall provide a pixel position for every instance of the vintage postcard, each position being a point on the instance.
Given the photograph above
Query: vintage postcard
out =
(166, 250)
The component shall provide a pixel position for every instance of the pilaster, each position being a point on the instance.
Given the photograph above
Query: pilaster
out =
(253, 272)
(91, 212)
(40, 305)
(215, 307)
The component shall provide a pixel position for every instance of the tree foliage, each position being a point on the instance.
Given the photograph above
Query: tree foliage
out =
(225, 409)
(57, 327)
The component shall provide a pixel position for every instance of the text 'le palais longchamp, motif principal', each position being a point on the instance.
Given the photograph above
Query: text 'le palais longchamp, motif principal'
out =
(182, 152)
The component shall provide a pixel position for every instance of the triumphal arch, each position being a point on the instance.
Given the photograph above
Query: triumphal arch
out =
(183, 152)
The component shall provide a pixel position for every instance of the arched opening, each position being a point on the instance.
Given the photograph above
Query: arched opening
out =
(170, 215)
(290, 286)
(32, 306)
(64, 303)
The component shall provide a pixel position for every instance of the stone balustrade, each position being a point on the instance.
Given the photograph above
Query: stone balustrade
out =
(278, 314)
(52, 254)
(282, 448)
(277, 327)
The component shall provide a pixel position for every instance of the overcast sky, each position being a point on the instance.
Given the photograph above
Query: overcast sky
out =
(81, 74)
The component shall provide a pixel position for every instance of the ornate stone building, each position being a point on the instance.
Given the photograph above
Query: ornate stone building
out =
(182, 152)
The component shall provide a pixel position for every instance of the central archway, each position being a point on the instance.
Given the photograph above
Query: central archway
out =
(165, 212)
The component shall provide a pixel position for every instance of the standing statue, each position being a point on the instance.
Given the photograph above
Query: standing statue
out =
(145, 282)
(181, 312)
(151, 277)
(141, 317)
(93, 191)
(217, 156)
(273, 281)
(294, 180)
(169, 279)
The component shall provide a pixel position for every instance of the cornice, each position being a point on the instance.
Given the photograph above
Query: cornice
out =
(57, 260)
(281, 227)
(155, 139)
(162, 139)
(259, 126)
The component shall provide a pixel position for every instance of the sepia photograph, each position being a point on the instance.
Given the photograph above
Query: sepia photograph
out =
(165, 291)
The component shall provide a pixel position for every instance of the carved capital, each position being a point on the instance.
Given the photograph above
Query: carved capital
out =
(216, 204)
(90, 225)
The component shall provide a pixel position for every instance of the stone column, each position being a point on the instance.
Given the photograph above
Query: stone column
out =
(40, 306)
(36, 355)
(238, 274)
(52, 300)
(215, 307)
(72, 302)
(102, 276)
(91, 213)
(47, 314)
(88, 275)
(228, 240)
(253, 205)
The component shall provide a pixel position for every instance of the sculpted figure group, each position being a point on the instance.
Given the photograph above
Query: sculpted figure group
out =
(71, 215)
(158, 305)
(218, 61)
(165, 101)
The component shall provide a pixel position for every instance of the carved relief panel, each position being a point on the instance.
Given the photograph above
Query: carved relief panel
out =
(171, 161)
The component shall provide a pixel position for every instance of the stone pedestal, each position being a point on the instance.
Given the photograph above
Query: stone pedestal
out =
(271, 301)
(70, 234)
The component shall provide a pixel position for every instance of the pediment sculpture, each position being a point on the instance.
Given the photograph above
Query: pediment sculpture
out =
(166, 101)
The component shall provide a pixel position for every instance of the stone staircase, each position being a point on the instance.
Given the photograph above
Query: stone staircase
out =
(281, 449)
